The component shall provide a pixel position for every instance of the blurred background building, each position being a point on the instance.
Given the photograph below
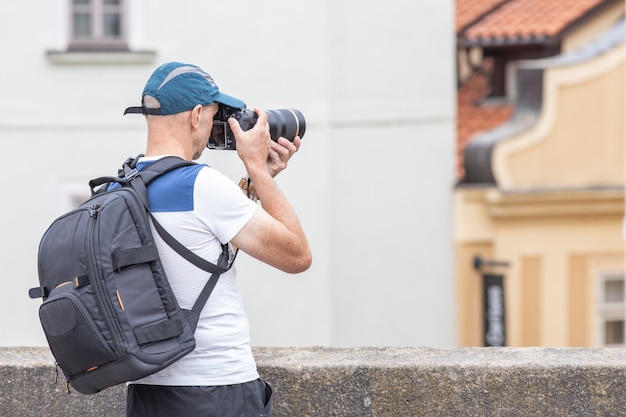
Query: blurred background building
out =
(372, 184)
(539, 203)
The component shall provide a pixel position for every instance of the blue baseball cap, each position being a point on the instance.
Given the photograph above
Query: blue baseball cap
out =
(180, 87)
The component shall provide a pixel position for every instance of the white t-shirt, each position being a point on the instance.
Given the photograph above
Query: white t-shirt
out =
(202, 209)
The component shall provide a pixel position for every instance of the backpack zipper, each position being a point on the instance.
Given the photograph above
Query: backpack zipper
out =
(99, 291)
(56, 378)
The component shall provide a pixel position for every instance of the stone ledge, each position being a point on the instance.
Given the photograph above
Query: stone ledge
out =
(393, 381)
(101, 57)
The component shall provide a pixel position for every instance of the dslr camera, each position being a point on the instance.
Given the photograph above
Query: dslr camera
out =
(287, 123)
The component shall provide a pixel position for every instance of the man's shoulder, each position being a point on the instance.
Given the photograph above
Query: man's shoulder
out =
(174, 191)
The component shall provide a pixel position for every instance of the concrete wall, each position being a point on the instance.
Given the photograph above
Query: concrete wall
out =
(372, 183)
(375, 382)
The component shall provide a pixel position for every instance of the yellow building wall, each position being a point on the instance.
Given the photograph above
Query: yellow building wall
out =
(578, 140)
(553, 258)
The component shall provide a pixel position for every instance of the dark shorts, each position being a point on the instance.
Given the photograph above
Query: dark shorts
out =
(251, 399)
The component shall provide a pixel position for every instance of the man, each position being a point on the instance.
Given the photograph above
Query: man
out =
(203, 209)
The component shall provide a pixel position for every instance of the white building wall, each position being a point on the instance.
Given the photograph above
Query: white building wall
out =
(372, 183)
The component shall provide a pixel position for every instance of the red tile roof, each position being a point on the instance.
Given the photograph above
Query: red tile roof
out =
(468, 11)
(524, 20)
(505, 22)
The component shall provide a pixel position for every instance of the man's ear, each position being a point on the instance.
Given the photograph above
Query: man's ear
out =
(195, 116)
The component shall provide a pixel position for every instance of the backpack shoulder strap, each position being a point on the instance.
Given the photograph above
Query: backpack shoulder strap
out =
(160, 167)
(129, 171)
(138, 181)
(146, 176)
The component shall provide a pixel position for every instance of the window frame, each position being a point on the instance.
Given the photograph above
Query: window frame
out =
(97, 41)
(608, 311)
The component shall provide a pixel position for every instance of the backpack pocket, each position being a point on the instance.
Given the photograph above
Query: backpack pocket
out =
(72, 334)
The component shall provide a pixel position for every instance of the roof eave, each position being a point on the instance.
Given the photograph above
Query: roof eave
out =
(503, 42)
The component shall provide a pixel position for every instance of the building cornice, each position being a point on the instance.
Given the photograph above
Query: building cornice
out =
(554, 203)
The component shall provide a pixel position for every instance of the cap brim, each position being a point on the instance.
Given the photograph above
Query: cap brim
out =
(229, 101)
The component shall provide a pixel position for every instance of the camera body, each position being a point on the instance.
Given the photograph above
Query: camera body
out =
(287, 123)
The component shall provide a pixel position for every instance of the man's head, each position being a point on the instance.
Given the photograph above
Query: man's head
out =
(175, 87)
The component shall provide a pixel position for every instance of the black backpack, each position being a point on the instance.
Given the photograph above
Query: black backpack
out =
(108, 311)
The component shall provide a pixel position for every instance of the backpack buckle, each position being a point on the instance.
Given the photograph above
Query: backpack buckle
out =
(131, 174)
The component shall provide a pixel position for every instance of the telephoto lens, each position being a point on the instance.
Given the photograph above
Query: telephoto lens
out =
(287, 123)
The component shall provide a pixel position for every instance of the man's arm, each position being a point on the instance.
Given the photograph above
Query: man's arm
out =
(274, 234)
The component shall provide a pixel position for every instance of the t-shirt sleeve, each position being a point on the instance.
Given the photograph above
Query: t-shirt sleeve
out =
(221, 205)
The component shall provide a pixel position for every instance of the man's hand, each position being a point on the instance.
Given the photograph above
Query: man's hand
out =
(280, 153)
(253, 146)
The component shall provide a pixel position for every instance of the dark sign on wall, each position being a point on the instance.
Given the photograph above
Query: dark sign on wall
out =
(494, 318)
(494, 328)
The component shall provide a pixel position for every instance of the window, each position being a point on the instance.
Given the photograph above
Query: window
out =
(612, 309)
(97, 25)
